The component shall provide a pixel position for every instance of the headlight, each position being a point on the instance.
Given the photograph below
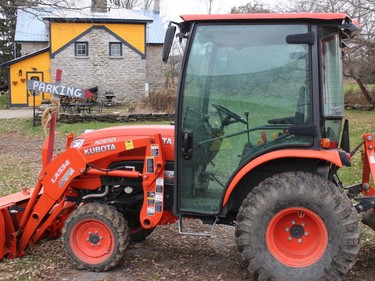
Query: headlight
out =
(77, 143)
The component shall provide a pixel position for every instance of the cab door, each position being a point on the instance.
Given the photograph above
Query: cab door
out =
(206, 160)
(238, 96)
(39, 96)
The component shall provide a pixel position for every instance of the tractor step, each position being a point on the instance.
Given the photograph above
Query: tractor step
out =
(192, 233)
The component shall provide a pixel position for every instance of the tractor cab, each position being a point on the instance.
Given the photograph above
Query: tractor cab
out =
(251, 85)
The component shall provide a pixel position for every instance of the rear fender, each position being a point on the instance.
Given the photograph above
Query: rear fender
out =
(332, 156)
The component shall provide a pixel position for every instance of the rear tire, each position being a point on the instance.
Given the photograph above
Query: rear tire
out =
(95, 237)
(297, 226)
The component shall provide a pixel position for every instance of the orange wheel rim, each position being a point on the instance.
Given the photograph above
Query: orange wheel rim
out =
(297, 237)
(92, 241)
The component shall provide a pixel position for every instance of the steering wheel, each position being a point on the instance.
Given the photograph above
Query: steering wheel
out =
(226, 115)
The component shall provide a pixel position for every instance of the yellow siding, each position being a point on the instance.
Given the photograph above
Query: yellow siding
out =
(62, 33)
(131, 33)
(18, 83)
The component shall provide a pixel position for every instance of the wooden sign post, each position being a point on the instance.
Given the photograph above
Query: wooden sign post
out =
(56, 89)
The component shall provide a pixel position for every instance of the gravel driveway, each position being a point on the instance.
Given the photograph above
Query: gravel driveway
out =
(16, 113)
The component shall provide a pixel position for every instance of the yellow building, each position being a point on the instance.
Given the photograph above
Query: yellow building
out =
(34, 66)
(115, 50)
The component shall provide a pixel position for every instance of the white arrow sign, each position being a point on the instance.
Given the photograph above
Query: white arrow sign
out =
(55, 89)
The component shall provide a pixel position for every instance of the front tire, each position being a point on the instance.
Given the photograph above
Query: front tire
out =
(297, 226)
(95, 237)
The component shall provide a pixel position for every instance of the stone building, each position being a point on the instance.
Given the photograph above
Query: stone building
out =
(117, 50)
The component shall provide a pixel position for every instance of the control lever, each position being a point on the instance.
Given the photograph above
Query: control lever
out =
(247, 125)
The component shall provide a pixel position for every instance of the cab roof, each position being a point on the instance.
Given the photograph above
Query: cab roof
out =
(266, 16)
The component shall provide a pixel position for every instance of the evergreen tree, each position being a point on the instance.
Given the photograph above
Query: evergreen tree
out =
(8, 48)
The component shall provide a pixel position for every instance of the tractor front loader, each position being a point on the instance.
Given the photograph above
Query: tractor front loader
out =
(77, 177)
(258, 139)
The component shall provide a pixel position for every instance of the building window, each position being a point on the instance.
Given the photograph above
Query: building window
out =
(81, 49)
(115, 49)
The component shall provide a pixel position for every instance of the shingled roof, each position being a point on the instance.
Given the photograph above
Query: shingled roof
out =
(33, 23)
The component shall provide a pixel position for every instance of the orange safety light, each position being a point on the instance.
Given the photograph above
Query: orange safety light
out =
(325, 143)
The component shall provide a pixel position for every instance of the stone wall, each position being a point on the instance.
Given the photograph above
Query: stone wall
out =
(31, 47)
(81, 118)
(360, 107)
(125, 76)
(154, 66)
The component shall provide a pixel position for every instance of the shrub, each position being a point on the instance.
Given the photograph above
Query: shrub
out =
(354, 96)
(4, 99)
(162, 100)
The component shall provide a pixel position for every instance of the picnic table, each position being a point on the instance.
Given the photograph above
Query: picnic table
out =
(77, 107)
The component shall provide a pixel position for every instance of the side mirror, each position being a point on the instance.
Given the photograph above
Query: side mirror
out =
(168, 42)
(303, 38)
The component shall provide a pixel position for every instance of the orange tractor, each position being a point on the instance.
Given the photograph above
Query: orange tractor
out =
(258, 139)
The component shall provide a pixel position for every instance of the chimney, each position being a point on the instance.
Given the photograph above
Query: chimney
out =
(99, 6)
(157, 6)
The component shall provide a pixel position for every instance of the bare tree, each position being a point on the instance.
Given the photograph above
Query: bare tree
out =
(210, 3)
(251, 7)
(128, 4)
(8, 48)
(147, 4)
(173, 66)
(131, 4)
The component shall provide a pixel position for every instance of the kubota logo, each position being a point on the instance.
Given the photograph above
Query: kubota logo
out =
(99, 149)
(167, 140)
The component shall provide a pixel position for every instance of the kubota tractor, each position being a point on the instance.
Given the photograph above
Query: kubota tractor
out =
(258, 139)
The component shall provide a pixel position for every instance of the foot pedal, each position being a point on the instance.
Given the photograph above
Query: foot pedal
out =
(204, 234)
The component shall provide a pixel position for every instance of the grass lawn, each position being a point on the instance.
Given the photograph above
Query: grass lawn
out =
(25, 127)
(20, 165)
(360, 122)
(20, 148)
(353, 86)
(4, 101)
(353, 94)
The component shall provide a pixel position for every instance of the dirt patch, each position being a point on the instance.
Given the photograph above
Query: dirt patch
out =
(165, 255)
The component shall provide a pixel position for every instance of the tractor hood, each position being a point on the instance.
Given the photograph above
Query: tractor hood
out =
(128, 133)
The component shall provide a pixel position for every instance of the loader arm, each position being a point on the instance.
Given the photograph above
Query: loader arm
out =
(366, 201)
(29, 216)
(368, 165)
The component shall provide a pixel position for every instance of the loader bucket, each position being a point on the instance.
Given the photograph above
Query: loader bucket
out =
(15, 209)
(11, 210)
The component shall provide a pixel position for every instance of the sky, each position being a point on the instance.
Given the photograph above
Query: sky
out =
(172, 9)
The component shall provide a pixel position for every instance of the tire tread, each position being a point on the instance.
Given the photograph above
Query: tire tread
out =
(285, 186)
(116, 223)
